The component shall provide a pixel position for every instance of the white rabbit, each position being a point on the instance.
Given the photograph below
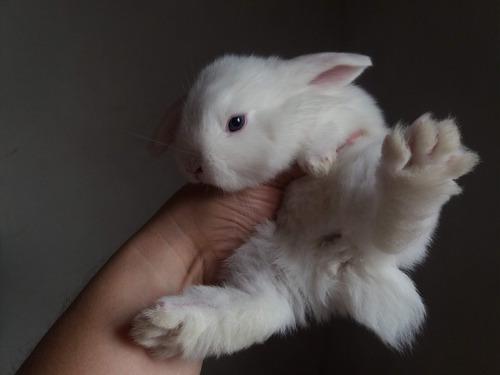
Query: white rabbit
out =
(365, 210)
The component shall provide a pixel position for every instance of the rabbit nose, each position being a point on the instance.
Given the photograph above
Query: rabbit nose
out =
(196, 171)
(194, 166)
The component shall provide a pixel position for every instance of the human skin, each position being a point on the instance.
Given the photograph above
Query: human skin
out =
(181, 245)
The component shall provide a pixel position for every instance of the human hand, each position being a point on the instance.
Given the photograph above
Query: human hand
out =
(215, 223)
(181, 245)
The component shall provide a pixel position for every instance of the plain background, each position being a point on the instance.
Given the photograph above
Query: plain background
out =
(80, 81)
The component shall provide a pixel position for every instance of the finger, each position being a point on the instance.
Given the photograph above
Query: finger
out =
(283, 179)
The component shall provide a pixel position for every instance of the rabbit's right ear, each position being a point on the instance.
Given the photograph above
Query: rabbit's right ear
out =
(328, 69)
(165, 133)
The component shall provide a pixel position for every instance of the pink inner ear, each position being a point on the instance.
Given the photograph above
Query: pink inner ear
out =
(338, 75)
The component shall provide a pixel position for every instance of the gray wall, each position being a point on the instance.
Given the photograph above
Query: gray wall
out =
(79, 78)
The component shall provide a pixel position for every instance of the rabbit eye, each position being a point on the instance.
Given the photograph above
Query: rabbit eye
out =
(235, 123)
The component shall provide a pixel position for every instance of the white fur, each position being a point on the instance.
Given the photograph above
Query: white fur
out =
(344, 233)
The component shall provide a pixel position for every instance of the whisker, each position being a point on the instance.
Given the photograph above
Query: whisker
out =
(145, 138)
(149, 139)
(177, 149)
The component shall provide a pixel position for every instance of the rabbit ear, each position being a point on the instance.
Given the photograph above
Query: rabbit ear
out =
(336, 69)
(165, 133)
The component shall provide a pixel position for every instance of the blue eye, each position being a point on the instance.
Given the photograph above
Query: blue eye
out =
(235, 123)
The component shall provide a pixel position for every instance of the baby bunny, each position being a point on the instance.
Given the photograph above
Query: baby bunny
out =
(364, 212)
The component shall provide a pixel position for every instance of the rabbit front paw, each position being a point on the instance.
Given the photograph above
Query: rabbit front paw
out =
(316, 163)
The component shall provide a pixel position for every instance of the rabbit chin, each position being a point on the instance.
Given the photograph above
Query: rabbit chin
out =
(232, 181)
